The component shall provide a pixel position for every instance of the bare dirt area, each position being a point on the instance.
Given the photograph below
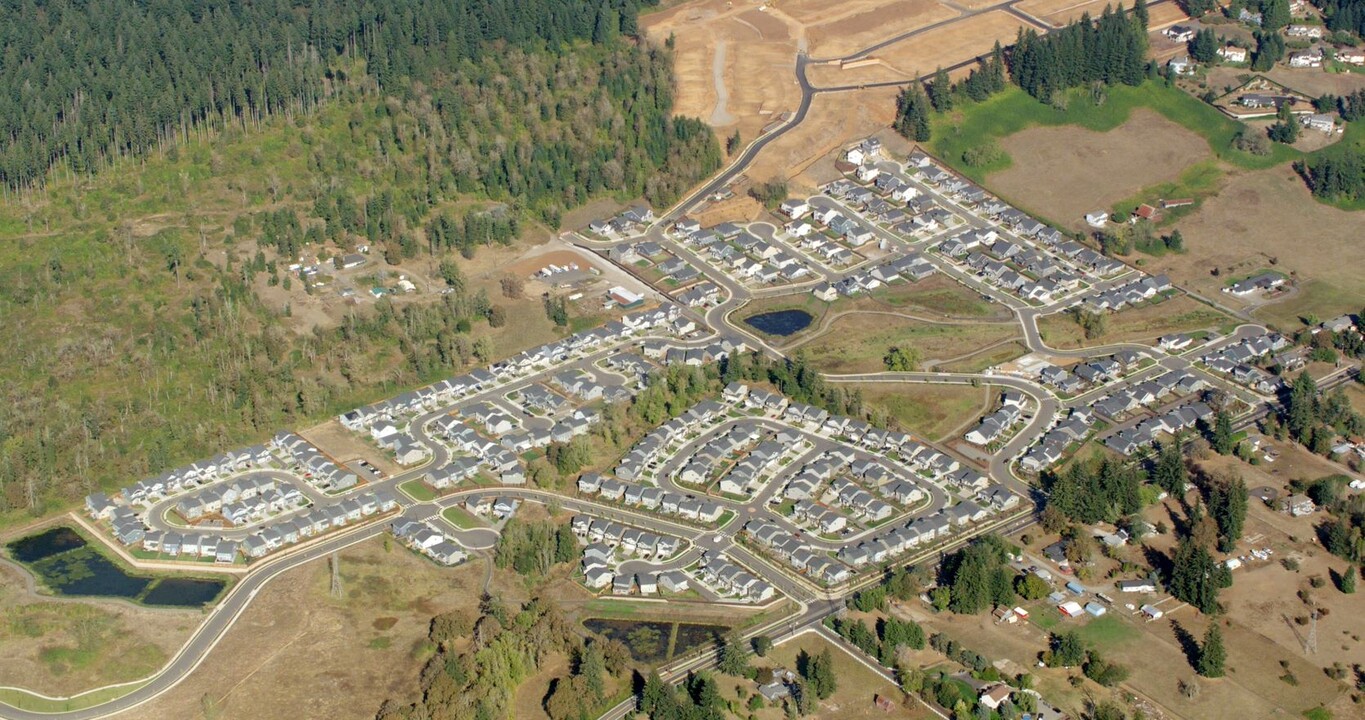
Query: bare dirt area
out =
(299, 652)
(1064, 172)
(873, 22)
(1268, 219)
(733, 65)
(63, 647)
(345, 446)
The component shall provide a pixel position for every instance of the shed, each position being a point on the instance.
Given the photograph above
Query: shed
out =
(1095, 609)
(1075, 587)
(1071, 609)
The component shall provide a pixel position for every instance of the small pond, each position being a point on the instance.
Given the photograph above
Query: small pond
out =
(780, 322)
(656, 641)
(64, 562)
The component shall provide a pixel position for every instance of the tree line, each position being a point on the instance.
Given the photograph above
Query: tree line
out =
(1111, 50)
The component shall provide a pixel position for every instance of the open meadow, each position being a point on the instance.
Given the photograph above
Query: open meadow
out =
(857, 342)
(1179, 314)
(933, 412)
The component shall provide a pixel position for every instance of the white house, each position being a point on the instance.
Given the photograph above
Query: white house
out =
(1097, 219)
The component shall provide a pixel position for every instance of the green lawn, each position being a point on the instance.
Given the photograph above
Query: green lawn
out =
(420, 491)
(1108, 632)
(1012, 110)
(460, 518)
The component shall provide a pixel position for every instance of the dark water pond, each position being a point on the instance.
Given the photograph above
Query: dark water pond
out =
(67, 565)
(656, 641)
(780, 322)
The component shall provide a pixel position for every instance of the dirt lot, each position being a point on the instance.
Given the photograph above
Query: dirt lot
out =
(730, 52)
(933, 412)
(1064, 172)
(1177, 314)
(63, 647)
(345, 446)
(1267, 219)
(298, 652)
(857, 342)
(921, 54)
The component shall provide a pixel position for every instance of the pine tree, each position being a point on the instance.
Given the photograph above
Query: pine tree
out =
(1194, 577)
(941, 91)
(1212, 655)
(1140, 12)
(1170, 473)
(1204, 47)
(1222, 433)
(1275, 14)
(912, 113)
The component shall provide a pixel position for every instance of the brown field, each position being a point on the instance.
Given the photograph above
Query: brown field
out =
(1064, 172)
(857, 342)
(63, 647)
(1165, 14)
(1267, 219)
(1178, 314)
(297, 652)
(853, 32)
(929, 411)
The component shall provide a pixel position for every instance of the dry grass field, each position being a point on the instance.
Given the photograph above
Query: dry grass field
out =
(1064, 172)
(857, 342)
(929, 411)
(1267, 219)
(296, 652)
(63, 647)
(1178, 314)
(862, 24)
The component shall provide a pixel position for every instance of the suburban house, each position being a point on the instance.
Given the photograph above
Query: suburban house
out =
(1232, 54)
(1179, 33)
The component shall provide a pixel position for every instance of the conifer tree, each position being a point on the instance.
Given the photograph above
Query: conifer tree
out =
(1212, 655)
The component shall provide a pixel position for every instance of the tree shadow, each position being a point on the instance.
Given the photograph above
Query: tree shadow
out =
(1159, 563)
(1188, 644)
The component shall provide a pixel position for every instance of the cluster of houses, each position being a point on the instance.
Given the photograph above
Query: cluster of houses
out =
(745, 443)
(912, 267)
(429, 541)
(478, 451)
(1174, 420)
(605, 542)
(1089, 374)
(748, 475)
(243, 500)
(743, 256)
(695, 355)
(1236, 361)
(632, 220)
(1148, 393)
(400, 409)
(796, 552)
(1053, 444)
(308, 523)
(996, 426)
(183, 479)
(1133, 292)
(729, 580)
(889, 202)
(318, 469)
(665, 502)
